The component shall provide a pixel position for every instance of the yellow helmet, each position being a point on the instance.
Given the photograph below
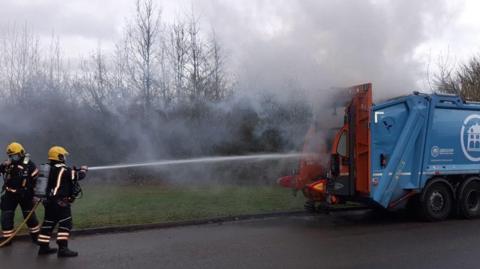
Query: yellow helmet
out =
(15, 148)
(57, 153)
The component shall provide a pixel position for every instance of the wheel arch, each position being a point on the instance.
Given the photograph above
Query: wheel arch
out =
(464, 183)
(442, 180)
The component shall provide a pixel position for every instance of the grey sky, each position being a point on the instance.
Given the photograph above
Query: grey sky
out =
(270, 42)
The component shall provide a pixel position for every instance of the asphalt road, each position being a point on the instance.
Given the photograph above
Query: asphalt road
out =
(361, 241)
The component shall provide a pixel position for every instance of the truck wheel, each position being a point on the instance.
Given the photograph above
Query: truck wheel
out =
(436, 202)
(469, 202)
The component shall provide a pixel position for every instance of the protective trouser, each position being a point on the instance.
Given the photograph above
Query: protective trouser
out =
(10, 201)
(56, 212)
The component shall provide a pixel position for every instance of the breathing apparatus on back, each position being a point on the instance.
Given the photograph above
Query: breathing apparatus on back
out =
(41, 185)
(56, 154)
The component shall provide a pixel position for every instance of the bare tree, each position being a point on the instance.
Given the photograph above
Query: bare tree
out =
(20, 64)
(468, 77)
(143, 37)
(197, 60)
(217, 81)
(146, 71)
(122, 92)
(463, 80)
(444, 80)
(94, 82)
(164, 83)
(178, 54)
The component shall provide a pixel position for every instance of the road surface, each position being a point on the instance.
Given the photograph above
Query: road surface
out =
(360, 241)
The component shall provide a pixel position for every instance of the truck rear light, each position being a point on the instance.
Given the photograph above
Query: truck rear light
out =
(320, 187)
(332, 199)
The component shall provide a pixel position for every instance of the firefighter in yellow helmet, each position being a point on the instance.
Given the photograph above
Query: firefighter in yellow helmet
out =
(19, 175)
(62, 190)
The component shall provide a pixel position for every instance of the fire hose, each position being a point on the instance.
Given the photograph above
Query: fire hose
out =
(21, 225)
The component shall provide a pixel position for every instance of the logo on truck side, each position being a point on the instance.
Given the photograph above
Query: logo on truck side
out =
(470, 137)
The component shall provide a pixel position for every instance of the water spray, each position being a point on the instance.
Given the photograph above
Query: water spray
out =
(216, 159)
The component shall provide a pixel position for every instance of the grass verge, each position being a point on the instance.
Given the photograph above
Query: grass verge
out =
(125, 205)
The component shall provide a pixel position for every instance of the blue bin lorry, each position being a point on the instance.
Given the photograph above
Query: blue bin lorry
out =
(419, 150)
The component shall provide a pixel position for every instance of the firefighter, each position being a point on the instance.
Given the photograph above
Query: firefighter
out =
(19, 174)
(62, 190)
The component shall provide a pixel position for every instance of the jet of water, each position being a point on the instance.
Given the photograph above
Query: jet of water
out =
(215, 159)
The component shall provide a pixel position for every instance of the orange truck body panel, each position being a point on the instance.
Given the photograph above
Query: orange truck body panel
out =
(362, 102)
(313, 169)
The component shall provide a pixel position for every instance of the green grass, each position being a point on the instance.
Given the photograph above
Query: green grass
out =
(123, 205)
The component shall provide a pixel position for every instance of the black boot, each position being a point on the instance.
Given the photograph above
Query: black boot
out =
(64, 252)
(46, 250)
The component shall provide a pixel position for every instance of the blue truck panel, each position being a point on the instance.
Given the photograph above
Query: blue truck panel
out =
(417, 137)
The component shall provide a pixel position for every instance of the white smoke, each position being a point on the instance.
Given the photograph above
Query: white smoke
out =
(318, 44)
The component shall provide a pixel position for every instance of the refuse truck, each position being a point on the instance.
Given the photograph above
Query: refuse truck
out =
(420, 151)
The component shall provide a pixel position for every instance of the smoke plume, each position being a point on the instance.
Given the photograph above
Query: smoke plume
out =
(280, 63)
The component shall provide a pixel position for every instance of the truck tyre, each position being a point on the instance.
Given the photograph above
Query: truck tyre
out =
(469, 201)
(436, 202)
